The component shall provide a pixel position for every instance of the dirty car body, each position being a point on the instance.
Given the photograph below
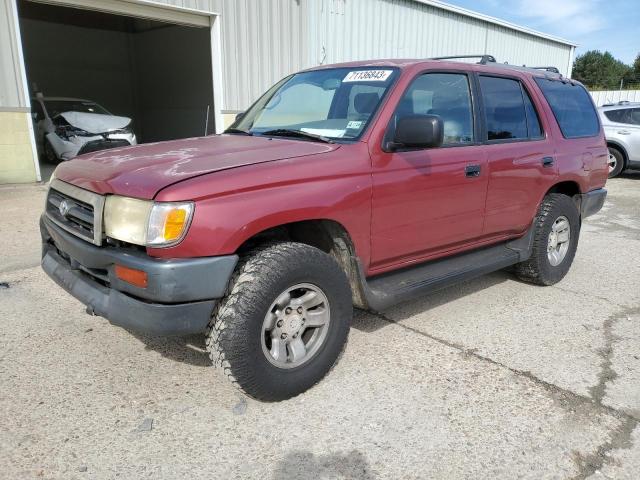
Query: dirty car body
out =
(363, 184)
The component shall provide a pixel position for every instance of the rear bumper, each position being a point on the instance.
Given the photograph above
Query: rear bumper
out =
(178, 300)
(591, 202)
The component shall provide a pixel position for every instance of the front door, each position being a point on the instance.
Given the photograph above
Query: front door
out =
(430, 201)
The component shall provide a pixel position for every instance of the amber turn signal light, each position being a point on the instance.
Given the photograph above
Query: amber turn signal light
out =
(131, 275)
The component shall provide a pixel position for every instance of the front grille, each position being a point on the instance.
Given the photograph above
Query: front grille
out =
(76, 210)
(106, 144)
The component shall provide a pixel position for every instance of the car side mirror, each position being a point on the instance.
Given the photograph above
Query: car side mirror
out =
(239, 116)
(418, 131)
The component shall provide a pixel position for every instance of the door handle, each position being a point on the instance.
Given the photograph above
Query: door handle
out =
(547, 162)
(624, 132)
(472, 171)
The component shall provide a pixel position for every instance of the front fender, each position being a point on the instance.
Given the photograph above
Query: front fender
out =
(234, 205)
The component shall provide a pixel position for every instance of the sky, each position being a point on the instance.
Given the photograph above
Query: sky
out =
(605, 25)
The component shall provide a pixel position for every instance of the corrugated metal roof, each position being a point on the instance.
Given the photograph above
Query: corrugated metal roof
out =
(494, 20)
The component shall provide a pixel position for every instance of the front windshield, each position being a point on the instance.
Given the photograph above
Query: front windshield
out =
(55, 107)
(335, 103)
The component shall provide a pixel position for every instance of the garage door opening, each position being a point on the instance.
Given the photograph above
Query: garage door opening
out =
(155, 73)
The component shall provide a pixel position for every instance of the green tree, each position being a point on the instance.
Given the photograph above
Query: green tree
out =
(600, 71)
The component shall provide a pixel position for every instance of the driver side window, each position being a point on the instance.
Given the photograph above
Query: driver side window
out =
(446, 95)
(294, 106)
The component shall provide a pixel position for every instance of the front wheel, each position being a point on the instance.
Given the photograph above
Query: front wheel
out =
(284, 322)
(557, 229)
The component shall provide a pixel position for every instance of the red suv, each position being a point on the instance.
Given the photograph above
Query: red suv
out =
(364, 183)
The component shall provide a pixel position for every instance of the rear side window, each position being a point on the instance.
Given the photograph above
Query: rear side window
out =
(618, 116)
(572, 107)
(630, 116)
(509, 112)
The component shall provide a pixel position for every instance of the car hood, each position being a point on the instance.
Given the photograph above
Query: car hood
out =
(142, 171)
(95, 122)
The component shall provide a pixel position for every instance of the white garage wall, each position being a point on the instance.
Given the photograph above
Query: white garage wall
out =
(11, 85)
(345, 30)
(262, 42)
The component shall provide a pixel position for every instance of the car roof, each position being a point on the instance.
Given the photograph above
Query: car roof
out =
(430, 63)
(618, 106)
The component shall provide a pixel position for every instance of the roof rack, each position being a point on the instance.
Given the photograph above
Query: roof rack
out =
(621, 102)
(555, 73)
(547, 69)
(484, 59)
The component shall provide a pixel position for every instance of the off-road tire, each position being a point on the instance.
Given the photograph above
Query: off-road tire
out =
(538, 269)
(234, 334)
(619, 162)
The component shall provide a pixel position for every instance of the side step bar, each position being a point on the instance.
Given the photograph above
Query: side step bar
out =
(386, 290)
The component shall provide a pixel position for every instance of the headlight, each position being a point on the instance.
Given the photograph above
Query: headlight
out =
(143, 222)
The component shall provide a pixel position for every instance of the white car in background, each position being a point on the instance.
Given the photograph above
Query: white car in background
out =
(68, 127)
(621, 123)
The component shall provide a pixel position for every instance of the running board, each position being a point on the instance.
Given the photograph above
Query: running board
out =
(389, 289)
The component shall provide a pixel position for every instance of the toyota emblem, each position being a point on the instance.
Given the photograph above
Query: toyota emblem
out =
(64, 208)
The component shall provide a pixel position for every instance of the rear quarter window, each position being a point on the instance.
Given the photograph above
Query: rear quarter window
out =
(572, 107)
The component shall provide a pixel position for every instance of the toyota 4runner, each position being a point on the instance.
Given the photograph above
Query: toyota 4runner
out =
(365, 184)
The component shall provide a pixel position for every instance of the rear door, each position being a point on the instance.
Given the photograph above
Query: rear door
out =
(626, 129)
(634, 135)
(521, 157)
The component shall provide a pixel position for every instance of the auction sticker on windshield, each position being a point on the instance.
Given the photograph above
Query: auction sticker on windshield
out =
(368, 76)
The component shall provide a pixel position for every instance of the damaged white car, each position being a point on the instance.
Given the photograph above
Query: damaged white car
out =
(68, 127)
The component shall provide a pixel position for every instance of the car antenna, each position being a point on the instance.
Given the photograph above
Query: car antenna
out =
(206, 122)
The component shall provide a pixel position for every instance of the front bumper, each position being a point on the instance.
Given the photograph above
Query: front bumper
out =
(591, 202)
(178, 299)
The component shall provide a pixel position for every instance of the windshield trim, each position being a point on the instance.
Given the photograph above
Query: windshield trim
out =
(395, 75)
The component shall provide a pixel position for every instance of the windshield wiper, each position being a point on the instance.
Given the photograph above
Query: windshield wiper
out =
(237, 130)
(285, 132)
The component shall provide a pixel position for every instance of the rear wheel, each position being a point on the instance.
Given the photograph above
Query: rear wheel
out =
(557, 229)
(284, 322)
(616, 162)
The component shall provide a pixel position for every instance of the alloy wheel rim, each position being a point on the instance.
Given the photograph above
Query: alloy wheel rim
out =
(559, 240)
(296, 326)
(613, 162)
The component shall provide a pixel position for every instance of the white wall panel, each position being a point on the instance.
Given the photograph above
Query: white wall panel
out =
(345, 30)
(520, 48)
(262, 41)
(614, 96)
(12, 94)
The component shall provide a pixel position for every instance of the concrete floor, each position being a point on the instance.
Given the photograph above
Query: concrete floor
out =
(491, 379)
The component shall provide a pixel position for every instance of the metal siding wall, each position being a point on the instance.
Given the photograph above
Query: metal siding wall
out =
(360, 29)
(520, 48)
(11, 86)
(203, 5)
(601, 97)
(262, 42)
